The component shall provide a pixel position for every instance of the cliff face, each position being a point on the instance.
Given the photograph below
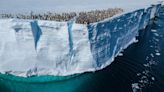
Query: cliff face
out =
(30, 47)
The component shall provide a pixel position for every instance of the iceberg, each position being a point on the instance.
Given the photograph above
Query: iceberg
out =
(37, 47)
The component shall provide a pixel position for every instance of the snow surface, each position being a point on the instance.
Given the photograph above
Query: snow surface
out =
(29, 47)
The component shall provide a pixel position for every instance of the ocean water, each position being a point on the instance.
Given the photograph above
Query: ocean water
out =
(139, 69)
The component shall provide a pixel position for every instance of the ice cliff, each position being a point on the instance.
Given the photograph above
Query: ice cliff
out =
(37, 47)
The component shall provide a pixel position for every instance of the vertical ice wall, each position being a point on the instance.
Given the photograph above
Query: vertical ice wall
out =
(30, 48)
(17, 47)
(109, 37)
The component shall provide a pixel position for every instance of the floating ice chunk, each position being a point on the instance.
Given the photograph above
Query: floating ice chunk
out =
(147, 65)
(154, 30)
(151, 46)
(152, 63)
(157, 40)
(135, 87)
(151, 55)
(156, 50)
(138, 74)
(158, 54)
(153, 78)
(120, 54)
(156, 34)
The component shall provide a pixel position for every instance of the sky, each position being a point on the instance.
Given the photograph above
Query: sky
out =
(17, 6)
